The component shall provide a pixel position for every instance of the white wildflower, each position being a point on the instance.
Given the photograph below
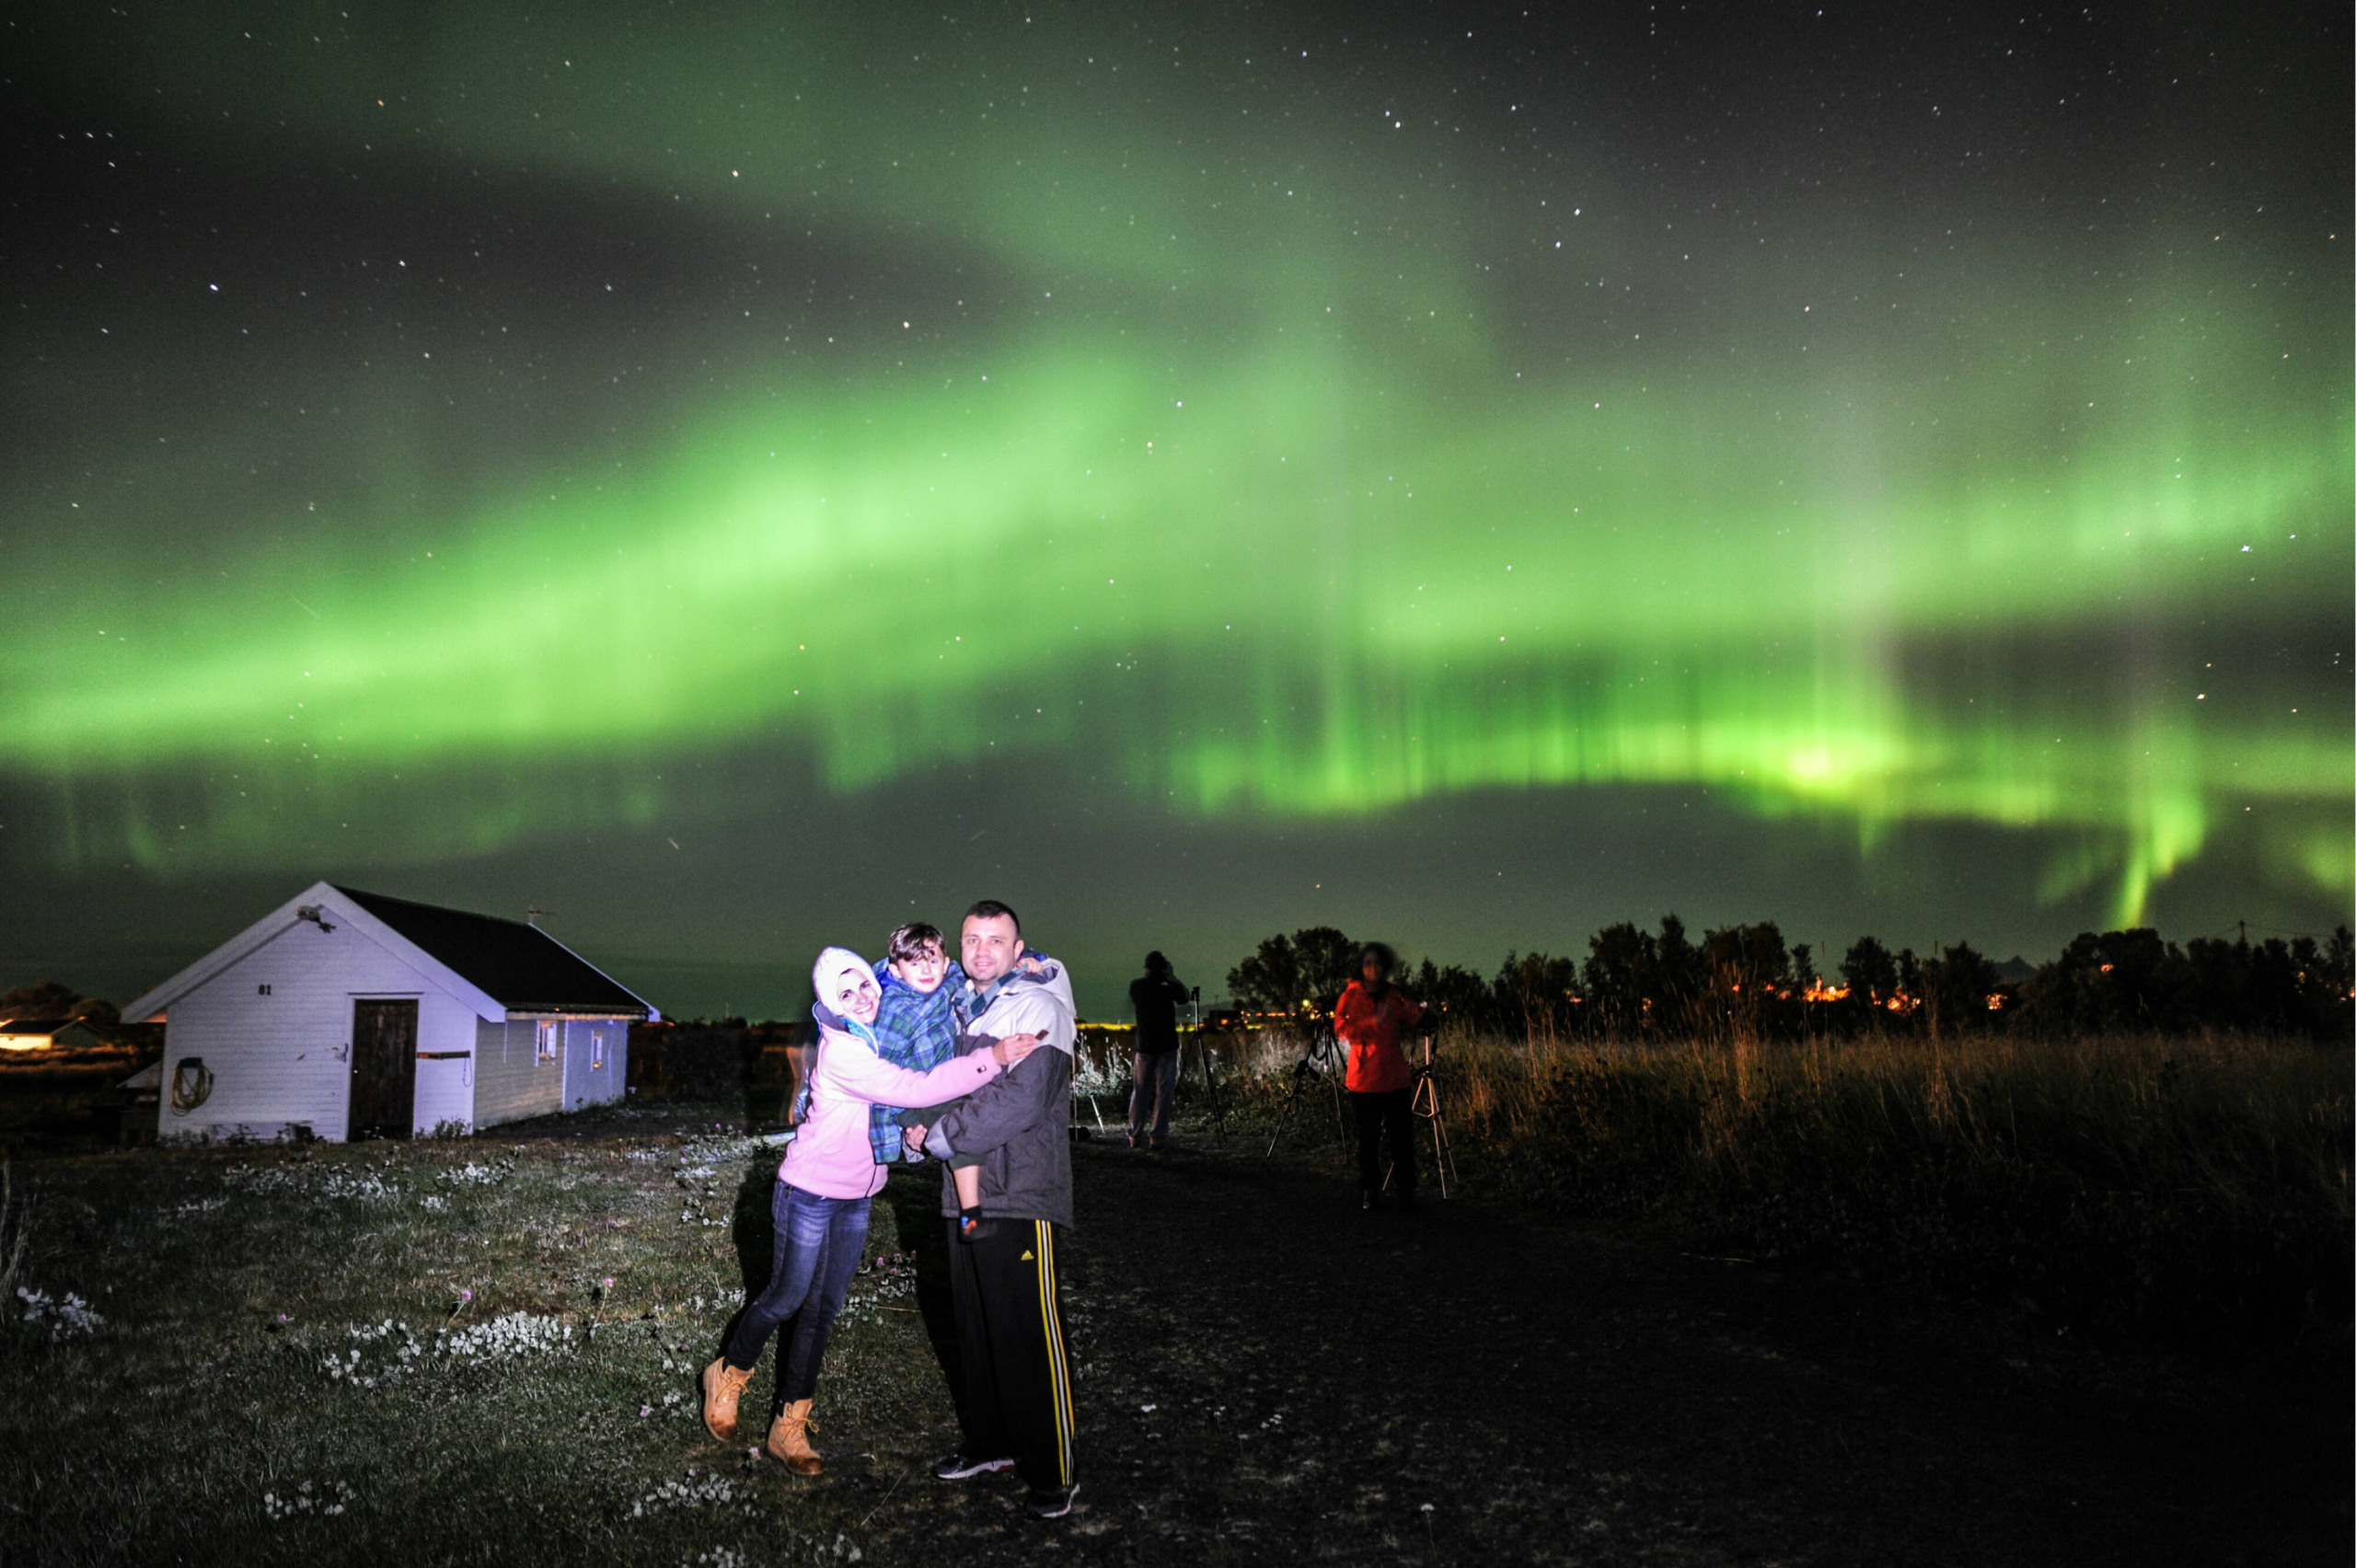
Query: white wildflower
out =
(716, 1150)
(70, 1319)
(375, 1353)
(306, 1180)
(308, 1499)
(502, 1339)
(374, 1188)
(693, 1491)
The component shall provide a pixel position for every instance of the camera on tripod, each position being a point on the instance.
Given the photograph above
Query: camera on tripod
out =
(1319, 1063)
(1425, 1102)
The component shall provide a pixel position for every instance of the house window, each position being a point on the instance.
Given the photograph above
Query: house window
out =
(550, 1041)
(597, 1050)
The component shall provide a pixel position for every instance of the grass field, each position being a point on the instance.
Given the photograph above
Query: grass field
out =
(2195, 1192)
(483, 1350)
(451, 1351)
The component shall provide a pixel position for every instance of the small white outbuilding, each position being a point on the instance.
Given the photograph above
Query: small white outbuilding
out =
(343, 1013)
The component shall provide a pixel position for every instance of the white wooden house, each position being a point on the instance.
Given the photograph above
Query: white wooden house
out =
(344, 1013)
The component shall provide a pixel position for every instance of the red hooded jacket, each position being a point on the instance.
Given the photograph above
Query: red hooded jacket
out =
(1369, 1031)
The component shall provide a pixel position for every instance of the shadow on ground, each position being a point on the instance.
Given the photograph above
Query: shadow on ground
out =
(1265, 1373)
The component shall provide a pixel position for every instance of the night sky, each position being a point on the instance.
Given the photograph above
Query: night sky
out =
(739, 476)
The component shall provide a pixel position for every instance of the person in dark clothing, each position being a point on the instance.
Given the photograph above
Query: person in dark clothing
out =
(1014, 1408)
(1156, 996)
(1368, 1022)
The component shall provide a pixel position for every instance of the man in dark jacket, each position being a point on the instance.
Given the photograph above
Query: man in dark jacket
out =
(1015, 1407)
(1156, 996)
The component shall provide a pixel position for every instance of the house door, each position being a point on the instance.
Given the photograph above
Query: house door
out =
(383, 1069)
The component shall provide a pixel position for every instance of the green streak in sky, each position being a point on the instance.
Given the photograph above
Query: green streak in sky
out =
(1323, 551)
(1273, 593)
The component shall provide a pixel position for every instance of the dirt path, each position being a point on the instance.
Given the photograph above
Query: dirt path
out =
(1267, 1375)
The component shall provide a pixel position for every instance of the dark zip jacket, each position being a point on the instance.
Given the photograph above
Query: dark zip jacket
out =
(1020, 1123)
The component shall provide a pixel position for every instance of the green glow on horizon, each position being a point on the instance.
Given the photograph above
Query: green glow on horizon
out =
(1323, 558)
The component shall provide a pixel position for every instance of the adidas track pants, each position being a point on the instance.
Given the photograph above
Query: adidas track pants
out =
(1017, 1395)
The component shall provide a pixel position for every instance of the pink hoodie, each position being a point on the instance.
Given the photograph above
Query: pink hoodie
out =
(831, 1155)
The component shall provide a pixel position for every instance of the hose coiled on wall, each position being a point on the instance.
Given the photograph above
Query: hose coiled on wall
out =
(191, 1085)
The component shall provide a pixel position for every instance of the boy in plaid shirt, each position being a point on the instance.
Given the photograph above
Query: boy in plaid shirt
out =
(915, 1027)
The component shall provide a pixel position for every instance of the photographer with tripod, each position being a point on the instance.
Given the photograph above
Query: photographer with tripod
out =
(1369, 1020)
(1156, 996)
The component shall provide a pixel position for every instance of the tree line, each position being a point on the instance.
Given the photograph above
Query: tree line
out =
(52, 999)
(1747, 979)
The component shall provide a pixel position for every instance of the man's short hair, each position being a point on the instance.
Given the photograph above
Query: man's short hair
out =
(991, 909)
(910, 940)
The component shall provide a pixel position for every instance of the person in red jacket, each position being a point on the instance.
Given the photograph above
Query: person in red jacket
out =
(1368, 1022)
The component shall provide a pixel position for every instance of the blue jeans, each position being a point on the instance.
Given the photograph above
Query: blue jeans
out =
(819, 1242)
(1156, 1084)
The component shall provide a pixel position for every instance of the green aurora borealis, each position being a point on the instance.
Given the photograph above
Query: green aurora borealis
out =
(1255, 444)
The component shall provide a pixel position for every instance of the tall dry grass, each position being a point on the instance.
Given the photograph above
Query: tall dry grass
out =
(2195, 1188)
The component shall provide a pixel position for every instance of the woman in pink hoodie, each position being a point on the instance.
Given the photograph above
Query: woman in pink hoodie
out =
(820, 1206)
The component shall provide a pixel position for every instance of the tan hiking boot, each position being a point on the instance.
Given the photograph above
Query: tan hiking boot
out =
(722, 1385)
(789, 1442)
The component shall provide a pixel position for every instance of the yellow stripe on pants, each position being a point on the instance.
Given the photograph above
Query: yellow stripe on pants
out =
(1059, 1368)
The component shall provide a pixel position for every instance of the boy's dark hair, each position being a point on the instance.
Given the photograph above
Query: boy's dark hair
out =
(910, 940)
(1382, 954)
(991, 909)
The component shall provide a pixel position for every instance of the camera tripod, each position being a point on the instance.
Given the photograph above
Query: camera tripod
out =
(1425, 1104)
(1210, 1077)
(1322, 1061)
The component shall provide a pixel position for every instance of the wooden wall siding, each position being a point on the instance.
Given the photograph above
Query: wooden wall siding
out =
(511, 1081)
(283, 1059)
(610, 1083)
(586, 1085)
(445, 1084)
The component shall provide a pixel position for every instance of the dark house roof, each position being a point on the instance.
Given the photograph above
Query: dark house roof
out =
(519, 966)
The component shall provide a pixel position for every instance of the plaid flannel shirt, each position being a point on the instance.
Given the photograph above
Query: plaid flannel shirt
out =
(913, 1031)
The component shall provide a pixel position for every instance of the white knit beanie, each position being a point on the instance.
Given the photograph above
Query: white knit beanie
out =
(832, 965)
